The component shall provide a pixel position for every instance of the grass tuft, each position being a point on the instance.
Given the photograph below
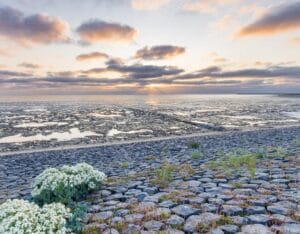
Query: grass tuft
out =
(163, 175)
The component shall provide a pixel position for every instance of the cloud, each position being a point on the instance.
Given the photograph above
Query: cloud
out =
(32, 29)
(5, 52)
(29, 65)
(138, 77)
(5, 74)
(295, 40)
(217, 58)
(95, 31)
(136, 71)
(269, 72)
(205, 6)
(92, 56)
(148, 4)
(280, 19)
(159, 52)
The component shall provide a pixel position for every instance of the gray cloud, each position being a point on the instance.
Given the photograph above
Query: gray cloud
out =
(137, 71)
(142, 75)
(95, 31)
(92, 56)
(159, 52)
(29, 65)
(5, 73)
(38, 28)
(269, 72)
(285, 18)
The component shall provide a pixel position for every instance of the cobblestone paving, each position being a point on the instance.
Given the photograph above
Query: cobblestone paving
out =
(17, 171)
(200, 200)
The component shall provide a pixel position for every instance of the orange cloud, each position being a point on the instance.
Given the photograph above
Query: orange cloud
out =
(205, 6)
(148, 4)
(33, 29)
(159, 52)
(92, 56)
(295, 40)
(285, 18)
(100, 31)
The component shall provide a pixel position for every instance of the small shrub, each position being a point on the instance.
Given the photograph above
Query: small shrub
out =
(277, 152)
(235, 160)
(194, 145)
(196, 155)
(66, 184)
(77, 214)
(237, 185)
(163, 175)
(225, 220)
(297, 142)
(186, 170)
(124, 165)
(20, 216)
(91, 230)
(203, 228)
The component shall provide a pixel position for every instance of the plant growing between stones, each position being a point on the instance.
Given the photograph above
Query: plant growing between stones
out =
(20, 216)
(124, 165)
(194, 145)
(235, 160)
(196, 155)
(163, 175)
(66, 184)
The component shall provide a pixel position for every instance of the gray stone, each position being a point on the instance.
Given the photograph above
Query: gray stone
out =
(151, 190)
(173, 231)
(260, 219)
(216, 231)
(205, 218)
(102, 216)
(232, 210)
(247, 192)
(167, 204)
(255, 210)
(208, 207)
(229, 229)
(141, 196)
(290, 228)
(175, 220)
(132, 218)
(196, 200)
(255, 229)
(238, 220)
(153, 225)
(284, 208)
(111, 231)
(185, 210)
(122, 212)
(132, 229)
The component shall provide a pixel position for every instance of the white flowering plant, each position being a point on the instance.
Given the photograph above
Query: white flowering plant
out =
(66, 184)
(23, 217)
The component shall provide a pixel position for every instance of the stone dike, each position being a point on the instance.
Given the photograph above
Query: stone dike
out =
(169, 186)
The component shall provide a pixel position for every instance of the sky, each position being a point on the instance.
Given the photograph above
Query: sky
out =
(149, 46)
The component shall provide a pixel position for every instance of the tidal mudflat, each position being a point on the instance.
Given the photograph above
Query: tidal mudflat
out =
(27, 125)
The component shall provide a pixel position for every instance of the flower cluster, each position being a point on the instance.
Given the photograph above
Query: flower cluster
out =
(66, 183)
(23, 217)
